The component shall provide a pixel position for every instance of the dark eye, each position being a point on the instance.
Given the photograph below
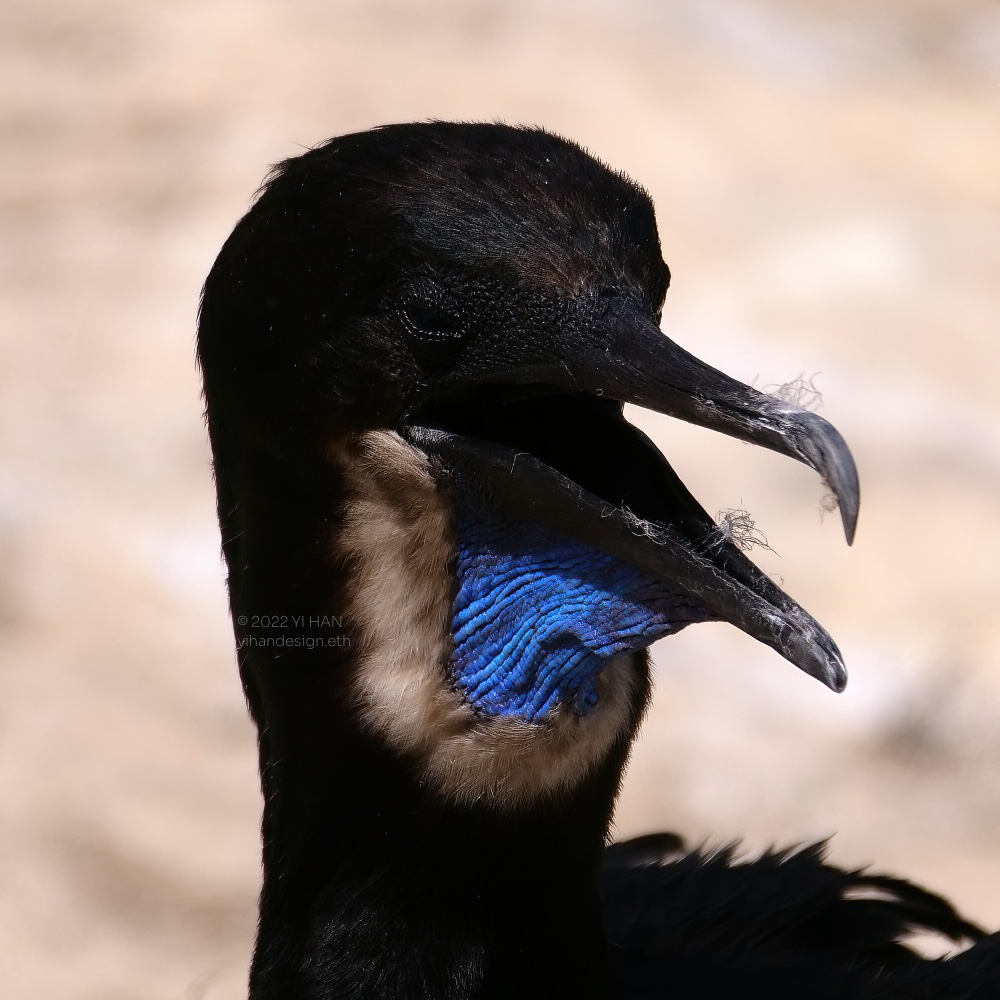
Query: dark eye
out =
(436, 326)
(432, 322)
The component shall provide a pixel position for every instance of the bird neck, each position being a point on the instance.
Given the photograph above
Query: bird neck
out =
(373, 883)
(371, 889)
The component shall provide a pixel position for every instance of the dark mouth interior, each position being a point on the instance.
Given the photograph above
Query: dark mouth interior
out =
(584, 437)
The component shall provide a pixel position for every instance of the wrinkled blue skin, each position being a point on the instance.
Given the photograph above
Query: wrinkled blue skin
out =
(539, 615)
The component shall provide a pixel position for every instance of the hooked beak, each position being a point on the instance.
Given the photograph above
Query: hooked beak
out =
(622, 355)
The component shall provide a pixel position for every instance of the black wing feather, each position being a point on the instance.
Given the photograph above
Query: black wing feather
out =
(785, 926)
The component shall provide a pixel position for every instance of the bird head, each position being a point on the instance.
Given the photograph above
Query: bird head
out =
(442, 323)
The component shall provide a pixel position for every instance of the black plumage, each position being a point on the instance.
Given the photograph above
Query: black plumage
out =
(422, 320)
(784, 925)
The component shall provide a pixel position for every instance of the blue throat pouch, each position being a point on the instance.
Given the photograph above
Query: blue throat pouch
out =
(538, 616)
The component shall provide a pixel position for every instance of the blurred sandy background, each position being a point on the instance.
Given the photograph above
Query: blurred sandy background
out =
(827, 178)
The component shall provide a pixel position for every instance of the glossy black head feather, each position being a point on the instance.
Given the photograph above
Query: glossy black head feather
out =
(368, 264)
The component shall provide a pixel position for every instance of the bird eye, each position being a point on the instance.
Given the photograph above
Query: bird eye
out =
(436, 326)
(430, 321)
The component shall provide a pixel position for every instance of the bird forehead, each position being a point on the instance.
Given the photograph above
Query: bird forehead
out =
(560, 220)
(541, 241)
(500, 201)
(560, 255)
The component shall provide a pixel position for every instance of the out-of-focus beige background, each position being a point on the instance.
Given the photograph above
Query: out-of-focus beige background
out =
(827, 179)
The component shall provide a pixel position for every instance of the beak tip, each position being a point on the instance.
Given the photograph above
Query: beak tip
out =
(819, 444)
(850, 521)
(818, 656)
(833, 674)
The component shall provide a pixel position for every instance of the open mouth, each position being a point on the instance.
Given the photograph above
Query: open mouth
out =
(586, 439)
(569, 461)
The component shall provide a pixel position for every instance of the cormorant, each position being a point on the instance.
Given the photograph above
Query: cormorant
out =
(448, 552)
